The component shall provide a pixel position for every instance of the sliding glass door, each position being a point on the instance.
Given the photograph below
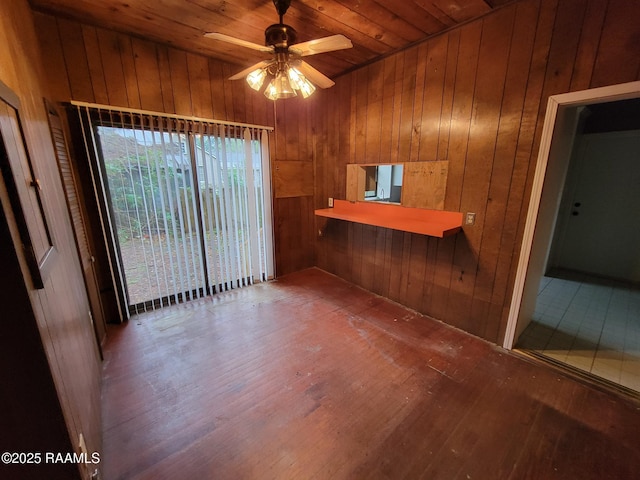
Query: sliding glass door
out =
(236, 232)
(189, 205)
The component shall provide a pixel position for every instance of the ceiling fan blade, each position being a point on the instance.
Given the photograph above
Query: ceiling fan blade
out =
(250, 69)
(314, 75)
(321, 45)
(237, 41)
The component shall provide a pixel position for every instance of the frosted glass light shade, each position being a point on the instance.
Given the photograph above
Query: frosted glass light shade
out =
(300, 82)
(280, 87)
(256, 78)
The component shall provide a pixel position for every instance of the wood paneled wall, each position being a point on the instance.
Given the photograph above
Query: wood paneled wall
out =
(295, 143)
(475, 96)
(51, 371)
(90, 64)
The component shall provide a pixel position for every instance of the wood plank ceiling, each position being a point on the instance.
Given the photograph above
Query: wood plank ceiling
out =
(376, 27)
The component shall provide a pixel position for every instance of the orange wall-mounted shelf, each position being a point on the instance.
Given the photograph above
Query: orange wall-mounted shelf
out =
(435, 223)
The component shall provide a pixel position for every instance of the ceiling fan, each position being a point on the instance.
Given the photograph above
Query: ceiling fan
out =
(289, 73)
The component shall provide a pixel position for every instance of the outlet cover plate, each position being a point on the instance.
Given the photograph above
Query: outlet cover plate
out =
(470, 218)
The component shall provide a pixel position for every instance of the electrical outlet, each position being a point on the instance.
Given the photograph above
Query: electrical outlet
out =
(470, 218)
(330, 202)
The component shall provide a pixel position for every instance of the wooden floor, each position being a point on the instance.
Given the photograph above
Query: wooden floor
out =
(309, 377)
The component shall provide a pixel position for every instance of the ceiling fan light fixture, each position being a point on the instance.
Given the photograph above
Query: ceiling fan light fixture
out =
(256, 78)
(280, 87)
(299, 82)
(270, 91)
(280, 41)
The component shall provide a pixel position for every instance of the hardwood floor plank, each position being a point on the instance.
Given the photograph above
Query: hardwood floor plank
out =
(312, 377)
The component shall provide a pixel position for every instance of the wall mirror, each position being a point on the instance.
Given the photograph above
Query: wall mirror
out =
(411, 184)
(375, 183)
(383, 183)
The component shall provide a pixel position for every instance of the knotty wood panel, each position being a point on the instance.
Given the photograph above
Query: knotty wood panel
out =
(96, 69)
(147, 71)
(292, 179)
(111, 44)
(61, 346)
(475, 97)
(356, 180)
(467, 302)
(424, 184)
(620, 23)
(294, 234)
(501, 215)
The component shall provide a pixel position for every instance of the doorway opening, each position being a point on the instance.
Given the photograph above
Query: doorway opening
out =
(187, 204)
(576, 299)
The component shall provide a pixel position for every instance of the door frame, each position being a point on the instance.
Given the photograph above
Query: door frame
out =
(558, 134)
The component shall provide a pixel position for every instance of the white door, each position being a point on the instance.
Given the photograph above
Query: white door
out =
(601, 231)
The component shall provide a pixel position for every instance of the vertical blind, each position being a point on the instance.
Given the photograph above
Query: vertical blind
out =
(187, 203)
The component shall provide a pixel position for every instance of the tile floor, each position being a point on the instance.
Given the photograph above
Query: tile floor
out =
(592, 324)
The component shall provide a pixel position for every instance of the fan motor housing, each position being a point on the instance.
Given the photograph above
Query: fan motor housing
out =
(280, 35)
